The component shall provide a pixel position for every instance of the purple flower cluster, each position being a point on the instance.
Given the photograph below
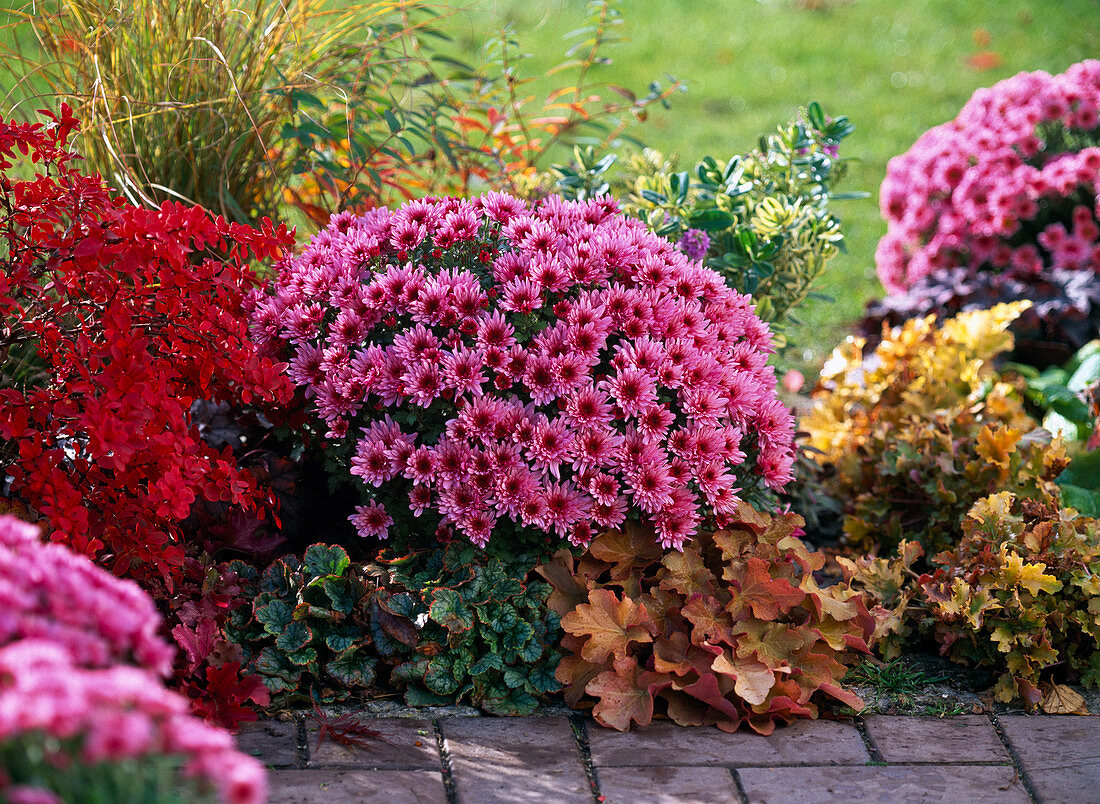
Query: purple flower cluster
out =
(694, 243)
(80, 658)
(1012, 185)
(559, 366)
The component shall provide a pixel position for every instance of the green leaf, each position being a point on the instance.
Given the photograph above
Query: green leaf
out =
(275, 616)
(514, 677)
(489, 661)
(816, 116)
(342, 592)
(324, 559)
(508, 702)
(305, 656)
(450, 611)
(353, 668)
(418, 696)
(294, 637)
(1080, 484)
(271, 663)
(541, 679)
(439, 678)
(710, 220)
(343, 637)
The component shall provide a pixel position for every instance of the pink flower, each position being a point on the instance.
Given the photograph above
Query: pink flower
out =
(564, 367)
(371, 521)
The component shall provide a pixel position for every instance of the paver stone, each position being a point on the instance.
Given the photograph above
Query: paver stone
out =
(273, 742)
(528, 759)
(963, 738)
(400, 744)
(353, 786)
(1060, 755)
(889, 784)
(660, 785)
(806, 742)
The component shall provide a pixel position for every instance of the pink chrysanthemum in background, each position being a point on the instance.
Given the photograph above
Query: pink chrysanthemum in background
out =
(492, 361)
(1011, 185)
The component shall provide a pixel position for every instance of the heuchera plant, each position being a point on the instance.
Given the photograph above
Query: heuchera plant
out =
(131, 315)
(84, 713)
(733, 630)
(557, 367)
(1009, 186)
(912, 435)
(306, 632)
(1018, 595)
(463, 623)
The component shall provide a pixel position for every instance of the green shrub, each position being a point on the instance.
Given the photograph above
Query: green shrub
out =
(306, 633)
(482, 629)
(762, 220)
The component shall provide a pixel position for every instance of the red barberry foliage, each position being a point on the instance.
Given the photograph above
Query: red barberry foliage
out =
(117, 320)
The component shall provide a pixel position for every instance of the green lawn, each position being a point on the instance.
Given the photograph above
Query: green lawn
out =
(895, 69)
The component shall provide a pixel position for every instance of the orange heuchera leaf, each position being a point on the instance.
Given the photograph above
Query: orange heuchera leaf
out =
(710, 620)
(752, 678)
(625, 694)
(634, 545)
(766, 597)
(569, 588)
(687, 574)
(727, 636)
(611, 625)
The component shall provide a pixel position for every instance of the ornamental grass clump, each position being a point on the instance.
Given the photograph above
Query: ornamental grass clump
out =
(911, 436)
(493, 366)
(84, 713)
(1002, 203)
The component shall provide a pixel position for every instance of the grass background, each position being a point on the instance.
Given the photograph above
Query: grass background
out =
(894, 69)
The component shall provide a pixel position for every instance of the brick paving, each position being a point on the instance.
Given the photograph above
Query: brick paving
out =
(1041, 759)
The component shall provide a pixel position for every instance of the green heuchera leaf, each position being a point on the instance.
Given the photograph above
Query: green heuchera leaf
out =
(343, 637)
(409, 672)
(450, 611)
(294, 637)
(323, 559)
(277, 673)
(488, 662)
(506, 702)
(418, 696)
(275, 616)
(440, 678)
(541, 679)
(306, 657)
(353, 668)
(342, 593)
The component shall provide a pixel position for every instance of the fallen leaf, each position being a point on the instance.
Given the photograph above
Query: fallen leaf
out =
(1063, 700)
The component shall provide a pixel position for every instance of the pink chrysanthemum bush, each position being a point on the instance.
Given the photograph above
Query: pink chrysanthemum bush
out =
(83, 707)
(1010, 186)
(556, 368)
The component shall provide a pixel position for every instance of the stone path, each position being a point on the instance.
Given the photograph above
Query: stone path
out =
(476, 760)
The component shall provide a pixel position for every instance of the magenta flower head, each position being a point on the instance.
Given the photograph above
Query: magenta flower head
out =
(491, 365)
(1010, 186)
